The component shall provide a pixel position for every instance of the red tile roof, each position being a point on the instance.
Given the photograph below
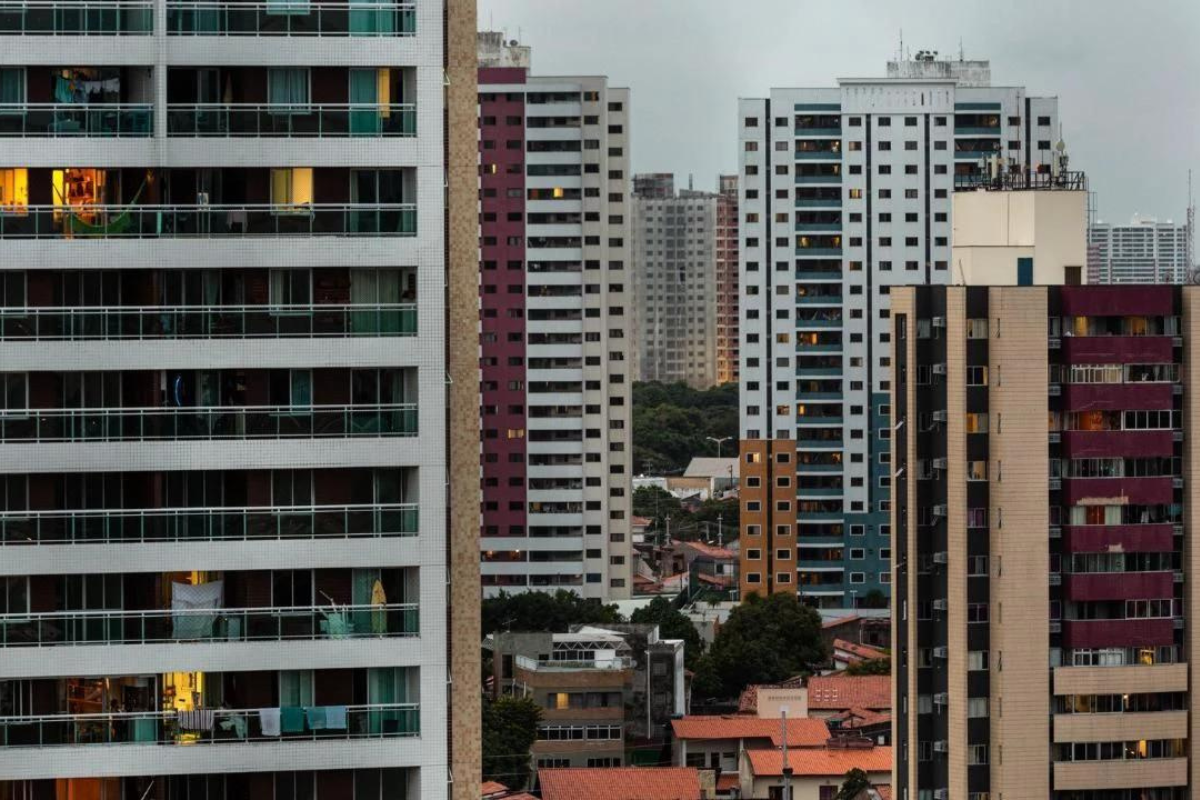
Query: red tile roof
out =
(841, 692)
(821, 762)
(620, 783)
(710, 550)
(885, 791)
(728, 782)
(860, 717)
(839, 621)
(863, 651)
(492, 787)
(802, 732)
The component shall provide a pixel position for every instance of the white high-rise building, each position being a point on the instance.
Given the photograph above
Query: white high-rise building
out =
(235, 354)
(675, 271)
(845, 193)
(1144, 251)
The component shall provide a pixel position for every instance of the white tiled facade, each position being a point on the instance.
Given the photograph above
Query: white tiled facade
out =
(304, 512)
(846, 192)
(1143, 251)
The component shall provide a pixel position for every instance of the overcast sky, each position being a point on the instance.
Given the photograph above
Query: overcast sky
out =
(1127, 74)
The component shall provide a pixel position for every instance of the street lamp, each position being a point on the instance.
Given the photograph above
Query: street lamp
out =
(720, 441)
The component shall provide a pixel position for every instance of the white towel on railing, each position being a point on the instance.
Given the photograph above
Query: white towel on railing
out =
(198, 720)
(268, 720)
(335, 718)
(195, 598)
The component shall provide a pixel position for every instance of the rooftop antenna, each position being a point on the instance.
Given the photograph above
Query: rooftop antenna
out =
(900, 55)
(961, 55)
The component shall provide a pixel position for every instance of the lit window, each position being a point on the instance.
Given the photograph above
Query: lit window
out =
(291, 189)
(14, 189)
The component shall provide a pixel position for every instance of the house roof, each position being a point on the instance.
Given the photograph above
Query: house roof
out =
(709, 550)
(840, 692)
(860, 717)
(820, 762)
(492, 787)
(802, 732)
(728, 782)
(711, 468)
(884, 790)
(863, 651)
(620, 783)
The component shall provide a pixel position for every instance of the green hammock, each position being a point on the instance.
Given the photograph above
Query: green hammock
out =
(118, 225)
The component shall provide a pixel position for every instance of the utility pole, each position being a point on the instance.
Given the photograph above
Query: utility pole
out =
(720, 532)
(720, 441)
(787, 768)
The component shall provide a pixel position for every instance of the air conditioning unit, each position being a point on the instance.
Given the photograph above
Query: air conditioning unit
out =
(941, 652)
(940, 605)
(939, 322)
(940, 416)
(941, 557)
(941, 463)
(941, 699)
(939, 369)
(939, 510)
(941, 746)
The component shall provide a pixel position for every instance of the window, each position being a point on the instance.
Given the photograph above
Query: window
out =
(977, 754)
(290, 287)
(291, 190)
(977, 660)
(14, 190)
(977, 376)
(288, 89)
(12, 86)
(977, 565)
(977, 613)
(858, 577)
(977, 470)
(977, 422)
(857, 554)
(977, 328)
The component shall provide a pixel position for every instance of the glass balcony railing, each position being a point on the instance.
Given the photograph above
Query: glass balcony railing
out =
(327, 121)
(206, 423)
(215, 726)
(208, 322)
(208, 625)
(208, 221)
(290, 18)
(104, 120)
(76, 17)
(140, 525)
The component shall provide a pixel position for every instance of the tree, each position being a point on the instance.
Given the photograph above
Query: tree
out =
(763, 641)
(655, 503)
(872, 666)
(672, 624)
(510, 726)
(540, 611)
(854, 784)
(671, 423)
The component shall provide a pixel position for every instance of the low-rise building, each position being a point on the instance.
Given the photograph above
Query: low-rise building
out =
(816, 773)
(600, 689)
(717, 742)
(846, 653)
(829, 695)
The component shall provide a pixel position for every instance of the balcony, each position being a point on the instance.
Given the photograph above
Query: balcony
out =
(76, 17)
(215, 726)
(325, 121)
(140, 526)
(180, 626)
(100, 120)
(207, 423)
(1148, 538)
(207, 322)
(1118, 350)
(1118, 633)
(1122, 774)
(289, 18)
(1138, 491)
(1111, 444)
(1117, 396)
(1119, 586)
(211, 221)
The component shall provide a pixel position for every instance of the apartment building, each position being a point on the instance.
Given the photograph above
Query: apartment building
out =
(675, 271)
(555, 349)
(238, 246)
(845, 193)
(1143, 251)
(1022, 544)
(727, 279)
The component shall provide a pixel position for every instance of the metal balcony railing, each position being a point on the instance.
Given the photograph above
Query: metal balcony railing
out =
(208, 221)
(54, 120)
(208, 322)
(218, 726)
(76, 17)
(268, 523)
(290, 18)
(61, 628)
(325, 121)
(206, 423)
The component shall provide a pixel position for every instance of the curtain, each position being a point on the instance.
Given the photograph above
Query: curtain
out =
(301, 395)
(364, 95)
(288, 86)
(371, 18)
(364, 290)
(362, 587)
(288, 7)
(295, 688)
(12, 86)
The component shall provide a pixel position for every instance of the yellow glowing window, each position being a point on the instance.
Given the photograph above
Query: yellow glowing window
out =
(14, 189)
(559, 193)
(856, 194)
(562, 701)
(291, 189)
(516, 433)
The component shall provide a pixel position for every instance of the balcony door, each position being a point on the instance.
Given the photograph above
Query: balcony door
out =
(374, 187)
(370, 18)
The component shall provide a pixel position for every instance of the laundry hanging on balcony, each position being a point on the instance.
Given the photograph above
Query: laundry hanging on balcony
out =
(190, 602)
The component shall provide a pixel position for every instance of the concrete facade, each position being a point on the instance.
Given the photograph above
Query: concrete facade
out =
(1143, 251)
(846, 193)
(675, 271)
